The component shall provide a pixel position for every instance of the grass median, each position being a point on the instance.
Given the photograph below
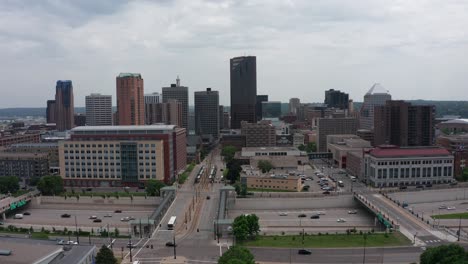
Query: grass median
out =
(451, 216)
(266, 190)
(329, 241)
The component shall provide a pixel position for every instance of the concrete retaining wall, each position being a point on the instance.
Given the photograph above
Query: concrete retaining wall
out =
(97, 200)
(343, 201)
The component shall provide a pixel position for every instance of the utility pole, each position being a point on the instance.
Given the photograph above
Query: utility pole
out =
(364, 255)
(459, 229)
(76, 230)
(173, 235)
(303, 233)
(108, 236)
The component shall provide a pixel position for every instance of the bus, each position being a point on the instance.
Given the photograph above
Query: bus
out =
(171, 223)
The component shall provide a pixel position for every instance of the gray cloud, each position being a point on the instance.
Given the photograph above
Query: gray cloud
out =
(416, 49)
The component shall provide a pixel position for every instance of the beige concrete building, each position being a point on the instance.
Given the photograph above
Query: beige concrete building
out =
(341, 145)
(272, 182)
(101, 160)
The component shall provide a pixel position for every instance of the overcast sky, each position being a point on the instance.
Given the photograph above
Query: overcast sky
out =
(416, 49)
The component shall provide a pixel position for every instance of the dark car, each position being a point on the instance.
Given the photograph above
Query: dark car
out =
(66, 216)
(326, 192)
(118, 211)
(403, 187)
(26, 213)
(97, 220)
(429, 185)
(315, 216)
(170, 244)
(302, 215)
(304, 252)
(208, 197)
(420, 187)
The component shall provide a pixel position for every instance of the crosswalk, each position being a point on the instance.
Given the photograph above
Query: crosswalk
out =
(433, 241)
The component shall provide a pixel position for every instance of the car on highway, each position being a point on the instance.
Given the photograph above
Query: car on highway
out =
(283, 214)
(170, 244)
(302, 215)
(26, 213)
(451, 208)
(208, 197)
(443, 206)
(326, 192)
(352, 212)
(97, 220)
(125, 219)
(93, 217)
(131, 218)
(71, 242)
(118, 211)
(340, 220)
(108, 215)
(304, 252)
(130, 245)
(315, 216)
(65, 216)
(60, 242)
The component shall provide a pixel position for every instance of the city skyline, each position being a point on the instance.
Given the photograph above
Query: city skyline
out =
(321, 46)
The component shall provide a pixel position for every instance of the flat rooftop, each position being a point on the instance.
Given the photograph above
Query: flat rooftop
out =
(121, 129)
(270, 149)
(390, 152)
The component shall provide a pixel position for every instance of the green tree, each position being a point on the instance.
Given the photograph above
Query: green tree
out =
(252, 224)
(234, 169)
(465, 174)
(228, 153)
(301, 147)
(311, 147)
(237, 255)
(264, 165)
(105, 256)
(50, 185)
(444, 254)
(153, 187)
(240, 228)
(9, 184)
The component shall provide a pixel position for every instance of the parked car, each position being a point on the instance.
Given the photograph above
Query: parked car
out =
(97, 220)
(352, 212)
(403, 187)
(283, 214)
(302, 215)
(170, 244)
(304, 252)
(26, 213)
(326, 192)
(315, 216)
(1, 223)
(429, 185)
(340, 220)
(208, 197)
(65, 216)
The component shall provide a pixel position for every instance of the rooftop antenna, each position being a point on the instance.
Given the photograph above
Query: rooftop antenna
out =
(178, 81)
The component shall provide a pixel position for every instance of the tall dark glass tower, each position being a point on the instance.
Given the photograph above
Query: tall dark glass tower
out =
(64, 107)
(243, 90)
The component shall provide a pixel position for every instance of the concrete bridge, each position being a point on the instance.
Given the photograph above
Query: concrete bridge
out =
(12, 203)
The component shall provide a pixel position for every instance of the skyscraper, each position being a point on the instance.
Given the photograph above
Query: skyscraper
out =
(130, 99)
(294, 104)
(50, 112)
(179, 93)
(207, 113)
(98, 110)
(169, 113)
(64, 107)
(271, 109)
(336, 99)
(153, 98)
(376, 96)
(243, 90)
(402, 124)
(258, 105)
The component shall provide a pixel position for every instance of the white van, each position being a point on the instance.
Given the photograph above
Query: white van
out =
(352, 178)
(18, 216)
